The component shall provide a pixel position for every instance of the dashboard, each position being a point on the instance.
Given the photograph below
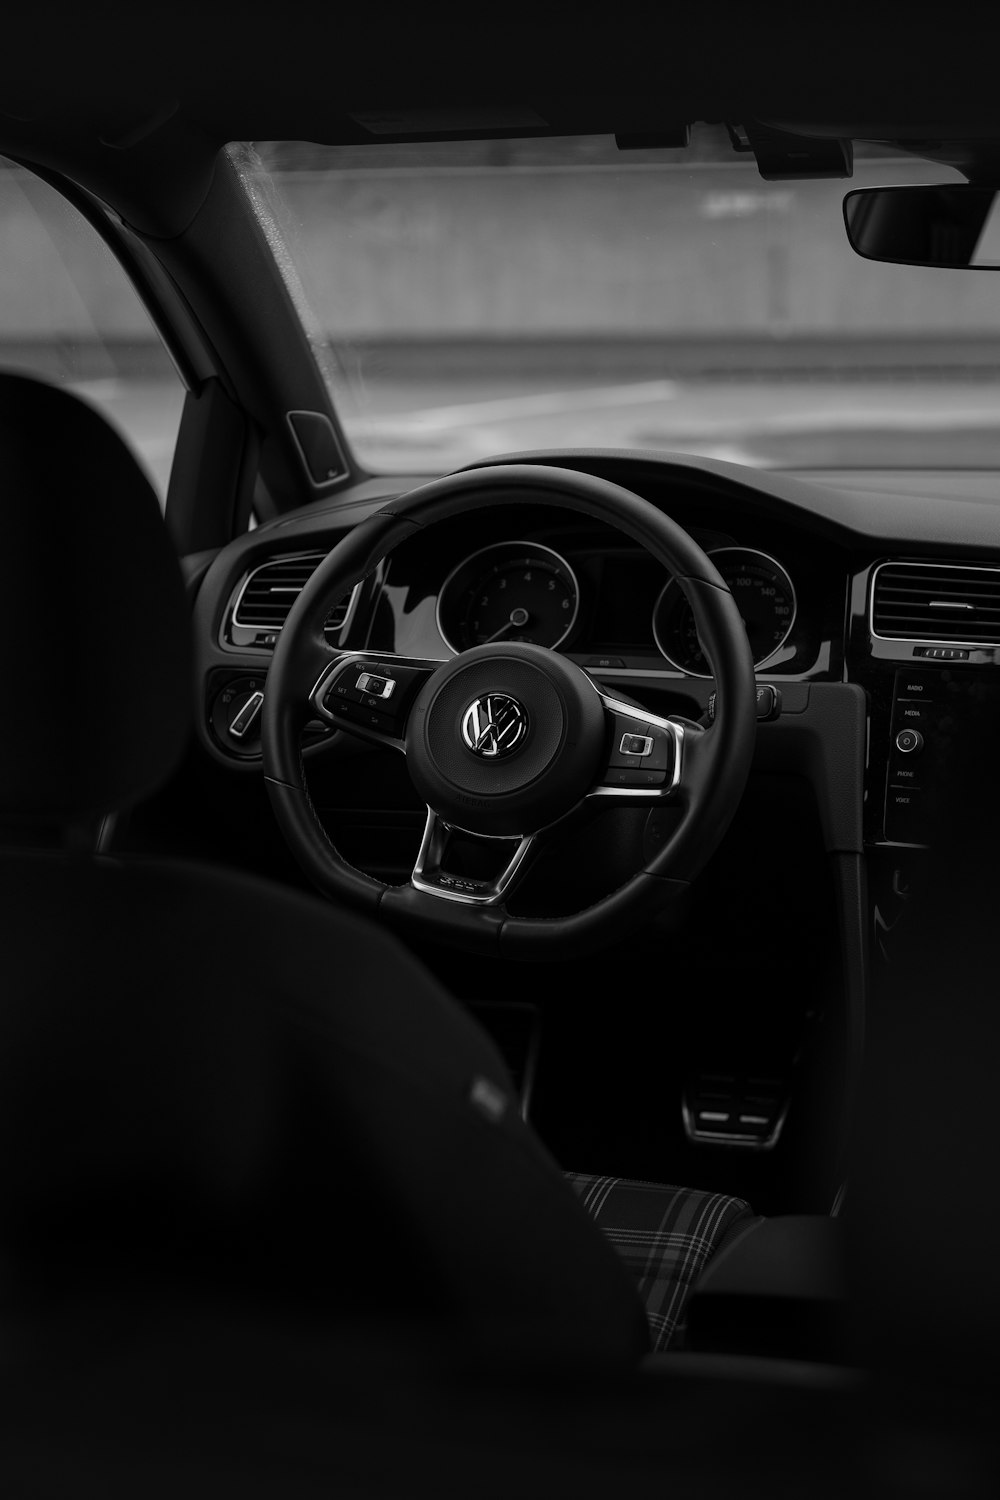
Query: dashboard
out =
(886, 585)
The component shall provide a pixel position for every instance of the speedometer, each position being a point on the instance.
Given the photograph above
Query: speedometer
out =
(764, 595)
(512, 591)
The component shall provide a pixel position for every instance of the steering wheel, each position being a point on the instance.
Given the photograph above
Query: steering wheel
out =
(509, 741)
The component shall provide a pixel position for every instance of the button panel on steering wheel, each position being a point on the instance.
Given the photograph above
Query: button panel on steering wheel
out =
(369, 694)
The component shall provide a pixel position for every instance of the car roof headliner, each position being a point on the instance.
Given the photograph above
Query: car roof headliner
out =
(134, 102)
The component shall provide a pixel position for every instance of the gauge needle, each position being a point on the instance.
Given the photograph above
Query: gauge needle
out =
(518, 617)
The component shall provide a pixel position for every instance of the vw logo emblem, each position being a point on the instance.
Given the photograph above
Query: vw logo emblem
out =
(494, 725)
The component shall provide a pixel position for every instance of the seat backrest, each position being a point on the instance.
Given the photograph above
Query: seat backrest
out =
(97, 673)
(216, 1088)
(212, 1087)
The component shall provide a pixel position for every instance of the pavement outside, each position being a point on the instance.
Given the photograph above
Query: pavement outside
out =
(429, 426)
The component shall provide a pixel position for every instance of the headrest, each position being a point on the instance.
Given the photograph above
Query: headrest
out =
(97, 686)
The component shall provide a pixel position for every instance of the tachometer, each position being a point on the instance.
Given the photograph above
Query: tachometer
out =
(765, 597)
(512, 591)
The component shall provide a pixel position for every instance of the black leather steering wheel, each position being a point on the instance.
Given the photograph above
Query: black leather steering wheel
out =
(508, 741)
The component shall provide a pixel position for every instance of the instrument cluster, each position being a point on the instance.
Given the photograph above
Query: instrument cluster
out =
(525, 591)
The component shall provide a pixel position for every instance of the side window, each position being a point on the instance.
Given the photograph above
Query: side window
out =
(69, 314)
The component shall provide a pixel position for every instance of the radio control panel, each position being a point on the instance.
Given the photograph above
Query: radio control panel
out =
(932, 710)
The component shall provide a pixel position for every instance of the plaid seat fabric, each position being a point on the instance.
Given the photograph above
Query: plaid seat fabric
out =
(666, 1237)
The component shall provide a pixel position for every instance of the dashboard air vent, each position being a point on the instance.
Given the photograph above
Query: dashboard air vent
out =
(950, 602)
(268, 594)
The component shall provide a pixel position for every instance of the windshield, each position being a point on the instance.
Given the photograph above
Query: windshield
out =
(473, 298)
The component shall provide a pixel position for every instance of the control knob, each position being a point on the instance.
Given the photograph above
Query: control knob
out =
(909, 741)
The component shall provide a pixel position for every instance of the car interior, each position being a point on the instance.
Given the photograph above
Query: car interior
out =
(497, 831)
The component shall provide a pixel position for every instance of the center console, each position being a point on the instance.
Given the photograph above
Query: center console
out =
(924, 644)
(933, 713)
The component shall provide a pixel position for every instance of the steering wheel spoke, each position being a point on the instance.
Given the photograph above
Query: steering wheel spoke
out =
(370, 694)
(511, 859)
(645, 754)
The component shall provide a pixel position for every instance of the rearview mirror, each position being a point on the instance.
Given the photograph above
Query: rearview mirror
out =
(951, 224)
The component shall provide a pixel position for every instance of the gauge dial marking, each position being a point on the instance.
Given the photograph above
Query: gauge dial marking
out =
(764, 595)
(513, 591)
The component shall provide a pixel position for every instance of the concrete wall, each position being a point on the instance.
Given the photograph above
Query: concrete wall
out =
(642, 251)
(597, 251)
